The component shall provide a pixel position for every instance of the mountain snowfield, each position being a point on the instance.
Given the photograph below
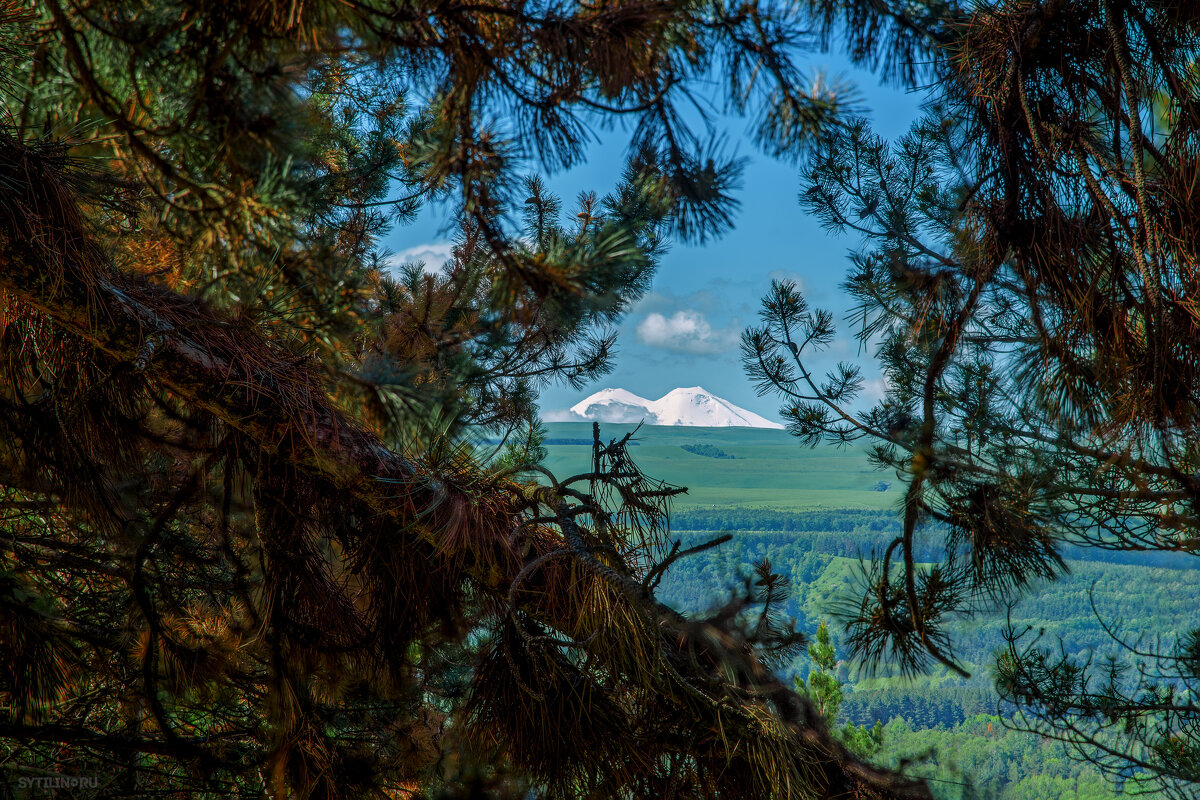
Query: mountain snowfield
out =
(693, 406)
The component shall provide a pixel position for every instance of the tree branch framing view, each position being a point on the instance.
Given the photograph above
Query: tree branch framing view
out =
(252, 544)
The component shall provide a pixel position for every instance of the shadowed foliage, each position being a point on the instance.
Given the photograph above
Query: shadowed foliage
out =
(1028, 283)
(249, 548)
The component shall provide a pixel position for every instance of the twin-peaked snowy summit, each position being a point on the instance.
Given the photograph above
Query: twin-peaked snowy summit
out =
(690, 406)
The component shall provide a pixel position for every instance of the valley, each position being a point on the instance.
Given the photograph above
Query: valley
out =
(812, 513)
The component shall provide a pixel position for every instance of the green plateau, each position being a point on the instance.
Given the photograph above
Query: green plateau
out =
(768, 468)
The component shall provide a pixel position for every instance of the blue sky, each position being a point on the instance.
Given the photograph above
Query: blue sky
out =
(685, 331)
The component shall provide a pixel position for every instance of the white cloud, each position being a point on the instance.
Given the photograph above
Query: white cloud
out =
(562, 415)
(432, 254)
(873, 390)
(686, 331)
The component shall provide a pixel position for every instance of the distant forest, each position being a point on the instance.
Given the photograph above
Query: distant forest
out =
(960, 732)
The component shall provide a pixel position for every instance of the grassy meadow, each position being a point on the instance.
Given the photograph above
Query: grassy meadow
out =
(768, 468)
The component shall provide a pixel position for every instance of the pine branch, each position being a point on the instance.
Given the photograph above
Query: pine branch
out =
(269, 396)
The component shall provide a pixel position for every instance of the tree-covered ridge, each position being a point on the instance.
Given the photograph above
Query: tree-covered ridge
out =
(824, 572)
(874, 529)
(940, 722)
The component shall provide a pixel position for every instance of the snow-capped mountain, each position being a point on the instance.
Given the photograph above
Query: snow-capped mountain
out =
(690, 406)
(694, 406)
(614, 405)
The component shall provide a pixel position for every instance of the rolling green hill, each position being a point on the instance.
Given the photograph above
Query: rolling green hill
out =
(767, 468)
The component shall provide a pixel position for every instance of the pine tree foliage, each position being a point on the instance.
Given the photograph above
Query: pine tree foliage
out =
(1028, 281)
(247, 549)
(822, 683)
(824, 689)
